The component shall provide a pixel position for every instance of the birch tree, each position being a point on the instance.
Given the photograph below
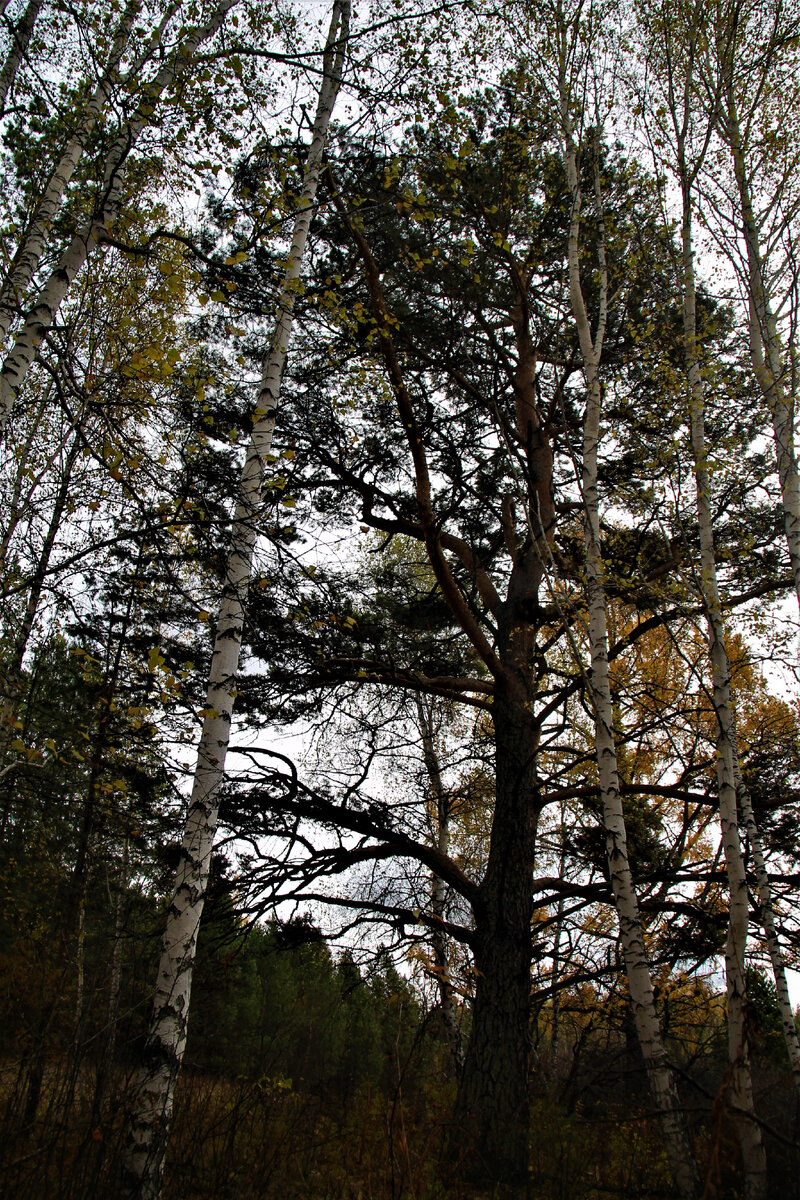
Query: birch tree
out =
(34, 241)
(690, 134)
(754, 57)
(642, 999)
(149, 1124)
(20, 36)
(741, 1094)
(50, 295)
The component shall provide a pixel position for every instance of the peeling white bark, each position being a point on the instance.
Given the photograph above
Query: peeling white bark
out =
(740, 1092)
(34, 243)
(765, 342)
(20, 39)
(661, 1080)
(152, 1110)
(41, 316)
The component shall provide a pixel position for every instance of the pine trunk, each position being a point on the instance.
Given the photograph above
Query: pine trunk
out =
(489, 1142)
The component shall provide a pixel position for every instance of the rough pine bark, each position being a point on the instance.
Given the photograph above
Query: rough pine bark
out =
(489, 1143)
(150, 1118)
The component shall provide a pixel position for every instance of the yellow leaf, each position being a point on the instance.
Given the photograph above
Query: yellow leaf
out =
(155, 659)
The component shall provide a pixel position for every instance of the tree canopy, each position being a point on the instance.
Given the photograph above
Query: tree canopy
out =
(398, 414)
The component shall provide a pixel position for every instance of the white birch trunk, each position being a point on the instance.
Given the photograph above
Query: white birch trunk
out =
(20, 39)
(765, 346)
(740, 1093)
(765, 350)
(661, 1080)
(152, 1110)
(29, 253)
(41, 316)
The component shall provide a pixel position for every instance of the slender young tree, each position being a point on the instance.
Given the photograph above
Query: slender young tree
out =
(152, 1108)
(640, 984)
(741, 1092)
(735, 804)
(441, 804)
(689, 136)
(755, 59)
(56, 286)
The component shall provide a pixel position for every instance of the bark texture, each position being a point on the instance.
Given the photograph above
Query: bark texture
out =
(740, 1094)
(20, 39)
(661, 1079)
(490, 1125)
(152, 1110)
(765, 342)
(39, 319)
(34, 242)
